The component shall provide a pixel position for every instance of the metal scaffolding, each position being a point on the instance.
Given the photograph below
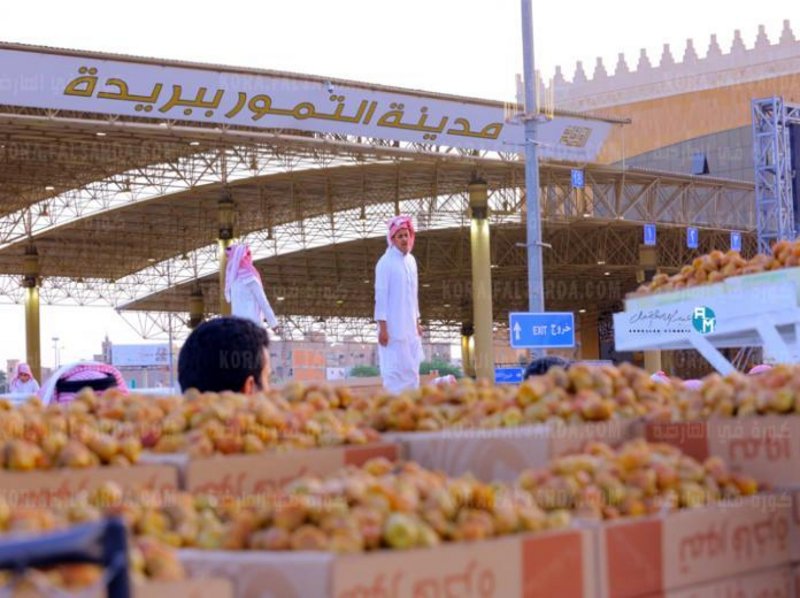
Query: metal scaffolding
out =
(776, 217)
(130, 218)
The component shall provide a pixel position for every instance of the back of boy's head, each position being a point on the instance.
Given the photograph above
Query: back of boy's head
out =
(221, 354)
(540, 366)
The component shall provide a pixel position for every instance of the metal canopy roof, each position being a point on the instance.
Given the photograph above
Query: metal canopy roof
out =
(123, 209)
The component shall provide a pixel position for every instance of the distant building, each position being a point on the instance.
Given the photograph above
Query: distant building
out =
(298, 360)
(314, 359)
(142, 366)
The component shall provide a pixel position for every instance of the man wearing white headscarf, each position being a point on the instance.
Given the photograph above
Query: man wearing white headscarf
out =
(244, 290)
(66, 382)
(397, 309)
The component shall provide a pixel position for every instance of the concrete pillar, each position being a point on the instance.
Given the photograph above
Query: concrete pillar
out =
(668, 362)
(652, 361)
(467, 344)
(648, 265)
(590, 338)
(481, 280)
(33, 335)
(196, 308)
(225, 238)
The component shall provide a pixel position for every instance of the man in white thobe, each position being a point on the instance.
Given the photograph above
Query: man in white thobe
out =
(397, 309)
(244, 289)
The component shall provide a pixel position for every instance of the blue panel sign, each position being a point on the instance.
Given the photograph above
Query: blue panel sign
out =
(508, 375)
(736, 240)
(577, 178)
(692, 238)
(542, 330)
(649, 234)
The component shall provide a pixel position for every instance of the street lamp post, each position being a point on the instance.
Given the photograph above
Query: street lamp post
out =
(534, 225)
(171, 359)
(56, 355)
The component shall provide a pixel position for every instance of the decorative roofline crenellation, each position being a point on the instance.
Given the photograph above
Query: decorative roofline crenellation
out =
(668, 77)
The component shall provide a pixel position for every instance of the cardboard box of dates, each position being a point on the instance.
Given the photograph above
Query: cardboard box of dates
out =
(654, 555)
(796, 574)
(266, 472)
(44, 487)
(502, 453)
(771, 582)
(557, 563)
(766, 447)
(718, 273)
(236, 444)
(206, 587)
(752, 422)
(495, 432)
(52, 454)
(794, 532)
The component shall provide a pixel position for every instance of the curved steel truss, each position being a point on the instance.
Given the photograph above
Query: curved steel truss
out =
(120, 211)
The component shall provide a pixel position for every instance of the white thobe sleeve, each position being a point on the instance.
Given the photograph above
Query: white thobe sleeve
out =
(263, 304)
(381, 290)
(416, 292)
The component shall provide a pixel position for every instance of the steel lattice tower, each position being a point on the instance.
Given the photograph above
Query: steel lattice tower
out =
(776, 217)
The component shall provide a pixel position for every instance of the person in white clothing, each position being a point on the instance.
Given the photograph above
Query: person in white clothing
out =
(397, 309)
(23, 381)
(244, 290)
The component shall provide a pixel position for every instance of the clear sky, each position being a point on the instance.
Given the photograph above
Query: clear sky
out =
(468, 47)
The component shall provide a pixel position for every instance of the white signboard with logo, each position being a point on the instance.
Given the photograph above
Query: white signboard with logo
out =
(140, 355)
(766, 316)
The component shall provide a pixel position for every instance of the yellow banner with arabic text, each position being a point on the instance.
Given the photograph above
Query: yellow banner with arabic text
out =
(275, 102)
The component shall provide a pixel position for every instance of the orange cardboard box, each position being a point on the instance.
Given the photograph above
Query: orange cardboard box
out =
(549, 564)
(794, 527)
(41, 488)
(765, 447)
(648, 556)
(266, 472)
(774, 583)
(690, 437)
(189, 588)
(796, 573)
(502, 453)
(209, 587)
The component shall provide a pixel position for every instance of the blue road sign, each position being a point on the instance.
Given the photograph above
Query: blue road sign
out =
(692, 238)
(736, 240)
(542, 330)
(508, 375)
(649, 234)
(577, 178)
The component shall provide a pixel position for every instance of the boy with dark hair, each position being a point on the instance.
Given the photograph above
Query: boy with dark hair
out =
(225, 354)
